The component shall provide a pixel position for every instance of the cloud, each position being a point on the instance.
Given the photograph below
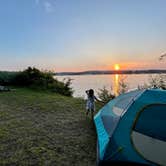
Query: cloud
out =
(47, 5)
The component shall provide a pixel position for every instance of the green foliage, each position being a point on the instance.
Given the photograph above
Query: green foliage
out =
(63, 87)
(6, 78)
(36, 79)
(123, 86)
(33, 77)
(104, 95)
(157, 81)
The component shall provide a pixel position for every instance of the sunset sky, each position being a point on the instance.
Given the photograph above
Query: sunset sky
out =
(77, 35)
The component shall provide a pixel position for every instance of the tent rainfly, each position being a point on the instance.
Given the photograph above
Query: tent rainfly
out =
(132, 129)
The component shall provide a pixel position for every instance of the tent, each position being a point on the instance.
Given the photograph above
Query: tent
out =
(132, 128)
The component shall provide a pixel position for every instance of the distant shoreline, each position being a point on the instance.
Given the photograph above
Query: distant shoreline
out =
(100, 72)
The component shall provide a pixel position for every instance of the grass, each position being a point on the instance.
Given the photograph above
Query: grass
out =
(42, 128)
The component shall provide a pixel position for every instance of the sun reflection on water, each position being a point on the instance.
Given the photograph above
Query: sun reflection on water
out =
(116, 84)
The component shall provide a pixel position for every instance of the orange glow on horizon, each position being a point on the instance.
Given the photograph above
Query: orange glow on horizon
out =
(116, 67)
(128, 65)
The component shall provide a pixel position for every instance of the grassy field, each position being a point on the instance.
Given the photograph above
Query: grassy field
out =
(40, 128)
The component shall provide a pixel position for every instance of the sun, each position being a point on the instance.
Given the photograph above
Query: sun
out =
(116, 67)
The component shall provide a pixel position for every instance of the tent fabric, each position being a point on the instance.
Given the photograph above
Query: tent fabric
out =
(148, 146)
(117, 127)
(110, 116)
(122, 102)
(126, 100)
(102, 135)
(110, 121)
(152, 121)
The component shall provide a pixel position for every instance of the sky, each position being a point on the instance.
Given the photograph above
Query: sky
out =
(78, 35)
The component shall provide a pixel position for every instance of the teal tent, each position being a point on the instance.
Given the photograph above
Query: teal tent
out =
(132, 128)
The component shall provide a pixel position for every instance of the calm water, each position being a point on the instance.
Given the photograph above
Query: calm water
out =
(83, 82)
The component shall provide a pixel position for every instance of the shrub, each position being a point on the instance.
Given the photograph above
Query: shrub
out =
(6, 78)
(104, 95)
(63, 87)
(123, 86)
(33, 77)
(157, 81)
(36, 79)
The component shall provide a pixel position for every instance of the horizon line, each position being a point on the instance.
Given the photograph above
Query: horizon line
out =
(151, 69)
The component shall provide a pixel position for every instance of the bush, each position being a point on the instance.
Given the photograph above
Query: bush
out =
(63, 88)
(33, 77)
(6, 78)
(36, 79)
(158, 81)
(104, 95)
(123, 86)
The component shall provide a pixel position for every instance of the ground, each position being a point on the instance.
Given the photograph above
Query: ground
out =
(42, 128)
